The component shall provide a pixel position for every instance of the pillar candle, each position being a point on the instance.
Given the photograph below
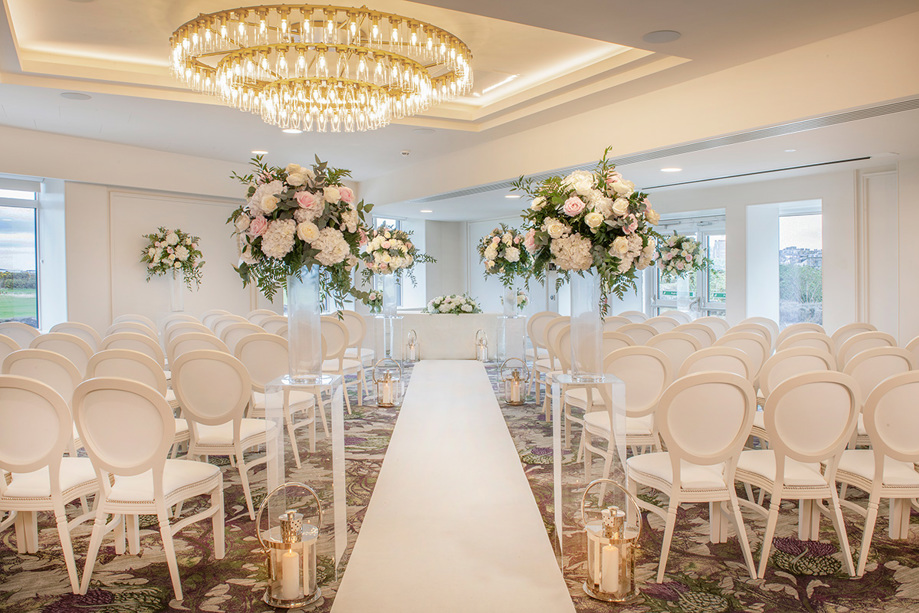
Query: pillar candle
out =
(290, 576)
(609, 569)
(387, 392)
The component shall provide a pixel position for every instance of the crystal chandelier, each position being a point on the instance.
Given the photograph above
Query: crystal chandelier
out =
(321, 68)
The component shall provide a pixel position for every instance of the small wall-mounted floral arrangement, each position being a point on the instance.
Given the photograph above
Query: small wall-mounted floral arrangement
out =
(173, 252)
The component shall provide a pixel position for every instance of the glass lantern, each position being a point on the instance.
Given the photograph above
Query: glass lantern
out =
(612, 544)
(515, 376)
(481, 346)
(290, 552)
(412, 348)
(387, 382)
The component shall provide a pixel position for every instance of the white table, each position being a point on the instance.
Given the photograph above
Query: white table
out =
(447, 337)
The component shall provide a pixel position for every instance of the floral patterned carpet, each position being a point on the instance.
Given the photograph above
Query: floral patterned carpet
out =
(701, 577)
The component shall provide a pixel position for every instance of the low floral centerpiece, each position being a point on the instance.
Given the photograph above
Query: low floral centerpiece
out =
(503, 254)
(174, 253)
(454, 304)
(679, 255)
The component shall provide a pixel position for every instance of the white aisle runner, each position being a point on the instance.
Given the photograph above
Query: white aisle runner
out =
(452, 524)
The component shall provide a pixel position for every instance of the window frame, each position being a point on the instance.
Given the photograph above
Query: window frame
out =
(33, 203)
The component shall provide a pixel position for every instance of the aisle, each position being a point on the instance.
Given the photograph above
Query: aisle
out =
(452, 524)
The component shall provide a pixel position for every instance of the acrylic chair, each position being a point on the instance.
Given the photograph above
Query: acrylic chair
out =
(718, 359)
(265, 357)
(19, 332)
(718, 325)
(662, 323)
(817, 340)
(87, 333)
(128, 428)
(258, 315)
(677, 345)
(845, 332)
(35, 428)
(809, 420)
(888, 469)
(71, 347)
(798, 328)
(869, 368)
(703, 333)
(273, 325)
(132, 327)
(638, 332)
(704, 419)
(860, 342)
(334, 362)
(214, 389)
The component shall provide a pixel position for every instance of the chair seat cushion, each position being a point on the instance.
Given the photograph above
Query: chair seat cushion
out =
(762, 462)
(348, 366)
(177, 475)
(222, 435)
(860, 462)
(76, 473)
(578, 397)
(541, 353)
(692, 476)
(634, 426)
(545, 364)
(297, 397)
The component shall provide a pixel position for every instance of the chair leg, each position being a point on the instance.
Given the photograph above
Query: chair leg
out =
(169, 550)
(325, 426)
(749, 491)
(840, 526)
(31, 524)
(133, 528)
(217, 521)
(244, 479)
(868, 534)
(714, 522)
(771, 522)
(668, 537)
(120, 534)
(19, 524)
(742, 536)
(95, 541)
(63, 531)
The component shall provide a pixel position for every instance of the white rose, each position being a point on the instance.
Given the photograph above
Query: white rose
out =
(538, 203)
(507, 239)
(623, 188)
(491, 252)
(308, 231)
(620, 207)
(652, 216)
(467, 308)
(512, 254)
(293, 169)
(177, 265)
(620, 246)
(242, 223)
(269, 203)
(172, 238)
(181, 253)
(331, 194)
(555, 228)
(296, 180)
(594, 219)
(151, 252)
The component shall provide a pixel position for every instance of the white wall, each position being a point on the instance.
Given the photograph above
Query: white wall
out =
(908, 226)
(762, 238)
(52, 269)
(446, 242)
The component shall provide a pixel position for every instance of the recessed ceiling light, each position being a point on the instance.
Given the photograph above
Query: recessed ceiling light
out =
(661, 36)
(512, 195)
(425, 211)
(790, 150)
(292, 131)
(671, 169)
(76, 96)
(259, 152)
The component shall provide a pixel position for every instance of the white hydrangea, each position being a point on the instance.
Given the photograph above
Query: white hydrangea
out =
(580, 181)
(171, 238)
(572, 252)
(279, 238)
(181, 253)
(512, 254)
(333, 248)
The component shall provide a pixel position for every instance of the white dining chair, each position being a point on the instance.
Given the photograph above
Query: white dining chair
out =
(357, 336)
(222, 321)
(638, 332)
(132, 327)
(614, 340)
(137, 318)
(135, 342)
(676, 345)
(718, 359)
(662, 323)
(209, 317)
(682, 317)
(128, 428)
(861, 342)
(539, 345)
(771, 326)
(193, 341)
(704, 419)
(718, 325)
(235, 332)
(335, 335)
(175, 328)
(612, 323)
(635, 317)
(35, 428)
(751, 343)
(809, 419)
(214, 389)
(7, 346)
(703, 333)
(274, 324)
(888, 469)
(19, 332)
(870, 368)
(256, 316)
(912, 347)
(545, 367)
(798, 328)
(756, 328)
(71, 347)
(87, 333)
(849, 330)
(817, 340)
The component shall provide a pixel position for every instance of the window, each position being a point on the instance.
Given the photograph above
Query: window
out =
(704, 292)
(800, 269)
(18, 263)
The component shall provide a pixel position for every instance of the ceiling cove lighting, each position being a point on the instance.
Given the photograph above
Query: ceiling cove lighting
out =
(500, 83)
(321, 68)
(425, 211)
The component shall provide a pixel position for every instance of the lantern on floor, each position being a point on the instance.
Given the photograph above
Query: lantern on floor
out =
(481, 346)
(612, 544)
(387, 382)
(514, 376)
(290, 550)
(411, 346)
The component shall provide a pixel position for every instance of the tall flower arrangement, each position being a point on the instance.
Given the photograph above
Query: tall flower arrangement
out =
(389, 251)
(590, 220)
(173, 252)
(680, 255)
(503, 254)
(297, 217)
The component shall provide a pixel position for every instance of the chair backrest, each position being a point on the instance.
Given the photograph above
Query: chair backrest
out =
(788, 363)
(751, 343)
(614, 322)
(862, 341)
(126, 428)
(562, 347)
(35, 427)
(175, 328)
(264, 356)
(613, 341)
(804, 326)
(636, 317)
(646, 374)
(137, 318)
(719, 359)
(194, 341)
(677, 345)
(912, 347)
(718, 325)
(7, 346)
(640, 333)
(236, 331)
(536, 328)
(275, 324)
(256, 316)
(767, 323)
(221, 322)
(872, 366)
(71, 347)
(208, 317)
(704, 419)
(682, 317)
(662, 323)
(756, 328)
(704, 334)
(811, 417)
(49, 367)
(128, 364)
(87, 333)
(551, 331)
(132, 327)
(845, 332)
(891, 418)
(282, 332)
(169, 318)
(19, 332)
(213, 388)
(135, 342)
(335, 334)
(816, 340)
(357, 328)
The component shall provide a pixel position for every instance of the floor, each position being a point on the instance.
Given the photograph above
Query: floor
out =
(701, 577)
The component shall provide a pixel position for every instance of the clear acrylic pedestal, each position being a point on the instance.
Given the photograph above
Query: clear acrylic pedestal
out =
(277, 445)
(511, 338)
(388, 339)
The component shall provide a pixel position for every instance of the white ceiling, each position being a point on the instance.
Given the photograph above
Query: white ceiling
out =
(117, 51)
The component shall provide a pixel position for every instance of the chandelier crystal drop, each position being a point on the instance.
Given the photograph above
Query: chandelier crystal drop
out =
(321, 68)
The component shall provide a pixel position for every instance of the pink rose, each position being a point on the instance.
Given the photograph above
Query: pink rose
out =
(518, 239)
(408, 244)
(573, 206)
(530, 241)
(386, 245)
(363, 239)
(258, 226)
(680, 266)
(346, 194)
(383, 266)
(306, 200)
(631, 226)
(496, 239)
